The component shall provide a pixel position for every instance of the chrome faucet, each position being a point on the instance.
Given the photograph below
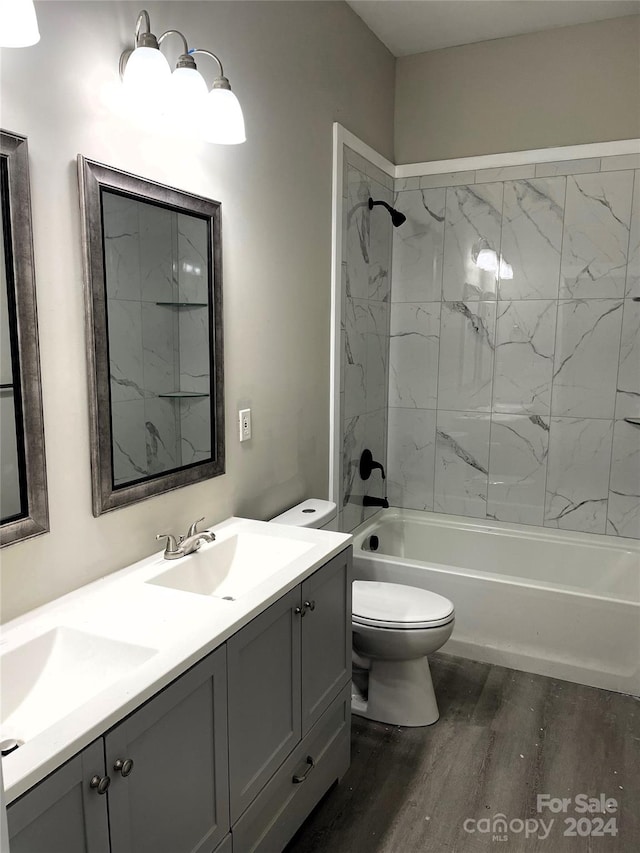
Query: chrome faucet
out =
(188, 544)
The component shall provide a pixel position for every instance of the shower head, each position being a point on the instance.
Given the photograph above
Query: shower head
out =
(397, 218)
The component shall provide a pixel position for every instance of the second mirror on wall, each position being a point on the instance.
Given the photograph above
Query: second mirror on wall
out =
(154, 299)
(23, 482)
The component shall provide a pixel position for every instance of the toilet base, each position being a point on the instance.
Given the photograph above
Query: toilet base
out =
(399, 693)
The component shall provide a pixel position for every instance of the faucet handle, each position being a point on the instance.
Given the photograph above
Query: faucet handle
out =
(193, 529)
(172, 545)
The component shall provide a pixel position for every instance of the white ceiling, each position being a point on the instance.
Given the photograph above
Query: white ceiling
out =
(415, 26)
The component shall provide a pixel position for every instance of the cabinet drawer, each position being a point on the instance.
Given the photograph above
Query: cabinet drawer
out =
(278, 811)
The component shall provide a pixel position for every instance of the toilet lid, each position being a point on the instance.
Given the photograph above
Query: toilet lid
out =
(394, 605)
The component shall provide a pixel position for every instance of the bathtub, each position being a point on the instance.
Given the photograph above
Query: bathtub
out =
(551, 602)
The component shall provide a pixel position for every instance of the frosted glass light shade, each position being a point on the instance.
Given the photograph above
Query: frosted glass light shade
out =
(188, 92)
(147, 76)
(18, 23)
(223, 120)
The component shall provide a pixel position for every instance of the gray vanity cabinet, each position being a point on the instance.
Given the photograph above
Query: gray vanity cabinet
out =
(285, 668)
(174, 797)
(326, 637)
(263, 662)
(63, 814)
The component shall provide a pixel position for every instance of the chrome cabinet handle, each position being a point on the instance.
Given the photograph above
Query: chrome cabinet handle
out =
(297, 779)
(100, 783)
(310, 605)
(124, 766)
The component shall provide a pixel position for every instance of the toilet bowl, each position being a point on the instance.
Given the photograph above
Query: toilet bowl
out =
(394, 628)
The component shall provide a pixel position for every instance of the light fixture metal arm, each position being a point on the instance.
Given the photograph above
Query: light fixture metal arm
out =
(174, 33)
(209, 54)
(142, 17)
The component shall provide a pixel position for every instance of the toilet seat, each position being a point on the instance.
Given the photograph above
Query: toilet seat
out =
(399, 607)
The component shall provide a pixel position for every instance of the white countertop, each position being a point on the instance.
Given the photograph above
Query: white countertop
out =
(176, 628)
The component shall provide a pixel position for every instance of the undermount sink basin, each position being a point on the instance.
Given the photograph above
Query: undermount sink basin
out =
(48, 677)
(234, 566)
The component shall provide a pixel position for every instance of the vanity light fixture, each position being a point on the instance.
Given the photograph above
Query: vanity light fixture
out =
(18, 23)
(182, 95)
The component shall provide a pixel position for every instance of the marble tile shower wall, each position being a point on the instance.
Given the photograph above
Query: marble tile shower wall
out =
(155, 348)
(514, 346)
(366, 286)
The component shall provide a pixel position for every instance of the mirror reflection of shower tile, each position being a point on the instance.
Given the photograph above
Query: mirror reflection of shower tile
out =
(125, 350)
(525, 340)
(158, 245)
(586, 358)
(467, 343)
(418, 246)
(531, 242)
(473, 220)
(596, 235)
(195, 431)
(193, 267)
(160, 346)
(121, 246)
(128, 436)
(193, 337)
(462, 463)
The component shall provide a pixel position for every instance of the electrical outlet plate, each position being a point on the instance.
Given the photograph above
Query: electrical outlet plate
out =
(244, 424)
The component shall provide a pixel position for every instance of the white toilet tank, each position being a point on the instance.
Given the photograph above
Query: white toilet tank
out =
(310, 513)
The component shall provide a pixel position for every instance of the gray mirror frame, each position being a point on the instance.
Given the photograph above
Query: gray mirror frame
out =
(92, 177)
(36, 521)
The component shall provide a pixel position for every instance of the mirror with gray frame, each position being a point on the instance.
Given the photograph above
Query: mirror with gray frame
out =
(23, 481)
(153, 288)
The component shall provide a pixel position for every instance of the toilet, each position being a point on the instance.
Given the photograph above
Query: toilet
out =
(395, 627)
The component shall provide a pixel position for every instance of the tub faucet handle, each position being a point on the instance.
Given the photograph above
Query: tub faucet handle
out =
(367, 465)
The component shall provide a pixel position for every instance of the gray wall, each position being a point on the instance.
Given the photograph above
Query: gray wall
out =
(296, 68)
(559, 87)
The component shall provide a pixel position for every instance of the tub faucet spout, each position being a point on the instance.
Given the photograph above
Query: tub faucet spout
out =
(369, 500)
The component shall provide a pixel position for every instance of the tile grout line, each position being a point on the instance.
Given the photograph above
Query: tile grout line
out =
(442, 302)
(555, 343)
(495, 342)
(615, 399)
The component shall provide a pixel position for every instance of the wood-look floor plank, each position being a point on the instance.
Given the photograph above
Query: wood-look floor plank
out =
(503, 738)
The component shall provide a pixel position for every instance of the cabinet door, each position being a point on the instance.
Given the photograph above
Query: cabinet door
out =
(63, 814)
(263, 661)
(175, 798)
(326, 636)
